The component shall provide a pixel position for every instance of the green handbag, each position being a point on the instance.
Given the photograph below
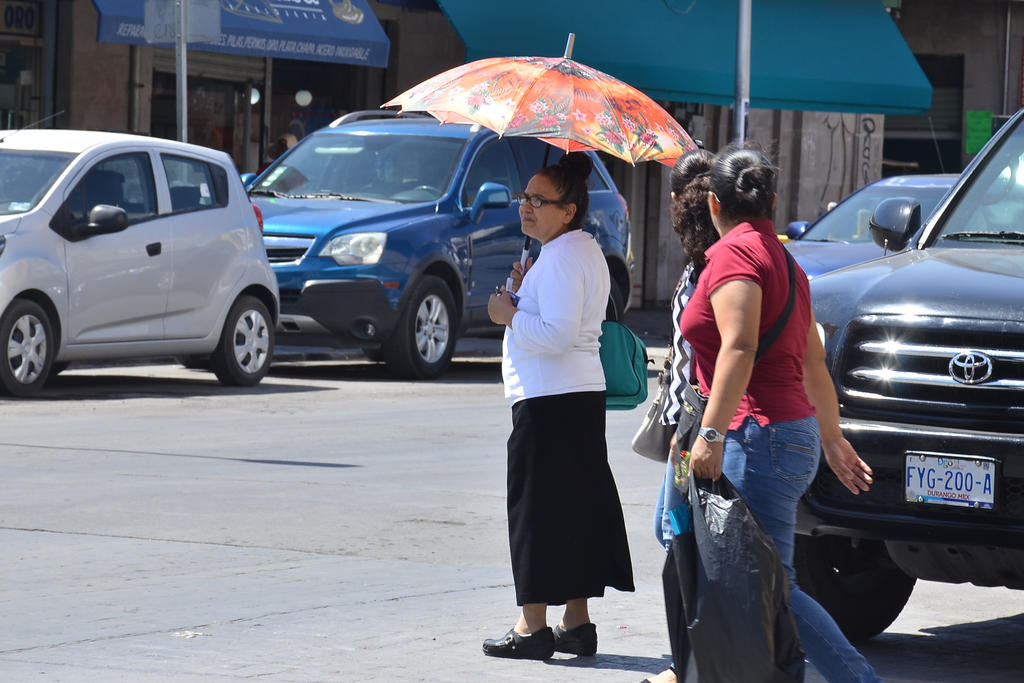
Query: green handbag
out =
(624, 359)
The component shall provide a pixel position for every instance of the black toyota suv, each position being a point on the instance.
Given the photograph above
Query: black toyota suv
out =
(926, 348)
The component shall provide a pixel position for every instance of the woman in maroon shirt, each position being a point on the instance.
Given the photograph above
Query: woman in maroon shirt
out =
(765, 424)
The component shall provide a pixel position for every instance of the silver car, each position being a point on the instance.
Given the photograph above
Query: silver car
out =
(118, 246)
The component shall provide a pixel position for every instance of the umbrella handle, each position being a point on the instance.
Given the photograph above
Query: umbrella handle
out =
(522, 259)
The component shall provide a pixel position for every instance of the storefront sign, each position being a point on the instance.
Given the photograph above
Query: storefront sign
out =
(21, 18)
(977, 130)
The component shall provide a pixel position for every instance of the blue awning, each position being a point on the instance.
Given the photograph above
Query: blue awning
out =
(834, 55)
(320, 30)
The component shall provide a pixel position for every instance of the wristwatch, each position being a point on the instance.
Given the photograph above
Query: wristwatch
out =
(711, 435)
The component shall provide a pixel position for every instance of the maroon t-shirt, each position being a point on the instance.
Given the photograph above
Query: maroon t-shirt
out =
(751, 251)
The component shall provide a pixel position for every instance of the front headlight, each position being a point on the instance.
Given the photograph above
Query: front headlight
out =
(356, 249)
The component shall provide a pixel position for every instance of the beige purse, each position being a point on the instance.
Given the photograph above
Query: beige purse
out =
(652, 439)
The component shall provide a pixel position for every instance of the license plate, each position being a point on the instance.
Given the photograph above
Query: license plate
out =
(961, 480)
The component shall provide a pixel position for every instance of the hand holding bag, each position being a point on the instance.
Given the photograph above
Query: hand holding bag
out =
(653, 438)
(734, 592)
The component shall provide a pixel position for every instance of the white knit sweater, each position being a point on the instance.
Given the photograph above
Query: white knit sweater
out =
(552, 346)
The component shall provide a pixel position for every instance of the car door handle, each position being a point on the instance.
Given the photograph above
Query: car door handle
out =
(154, 248)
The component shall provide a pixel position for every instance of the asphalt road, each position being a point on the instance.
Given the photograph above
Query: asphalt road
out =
(331, 525)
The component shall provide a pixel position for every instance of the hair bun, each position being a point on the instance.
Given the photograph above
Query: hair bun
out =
(577, 164)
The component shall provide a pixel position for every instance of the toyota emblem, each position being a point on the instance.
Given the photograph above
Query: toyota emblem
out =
(970, 367)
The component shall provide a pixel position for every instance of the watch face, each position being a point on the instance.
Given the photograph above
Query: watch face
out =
(711, 434)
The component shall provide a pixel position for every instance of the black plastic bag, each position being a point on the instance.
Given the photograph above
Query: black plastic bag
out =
(731, 592)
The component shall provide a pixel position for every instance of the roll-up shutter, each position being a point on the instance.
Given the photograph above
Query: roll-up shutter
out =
(215, 65)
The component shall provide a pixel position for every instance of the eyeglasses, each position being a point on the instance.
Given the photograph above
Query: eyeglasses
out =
(536, 201)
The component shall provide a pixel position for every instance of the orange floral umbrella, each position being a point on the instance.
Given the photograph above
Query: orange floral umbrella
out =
(558, 100)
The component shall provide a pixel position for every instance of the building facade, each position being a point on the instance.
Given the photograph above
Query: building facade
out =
(52, 64)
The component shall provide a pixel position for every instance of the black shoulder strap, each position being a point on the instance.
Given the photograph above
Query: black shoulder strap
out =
(773, 333)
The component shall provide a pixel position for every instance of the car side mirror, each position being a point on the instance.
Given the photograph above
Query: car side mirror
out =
(489, 196)
(247, 179)
(103, 220)
(894, 222)
(795, 229)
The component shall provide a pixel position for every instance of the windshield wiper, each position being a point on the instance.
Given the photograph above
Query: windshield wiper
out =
(980, 236)
(328, 195)
(272, 193)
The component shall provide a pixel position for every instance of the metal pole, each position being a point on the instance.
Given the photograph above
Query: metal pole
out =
(569, 44)
(1006, 60)
(247, 128)
(180, 50)
(742, 102)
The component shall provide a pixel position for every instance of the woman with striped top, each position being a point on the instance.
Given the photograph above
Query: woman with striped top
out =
(691, 220)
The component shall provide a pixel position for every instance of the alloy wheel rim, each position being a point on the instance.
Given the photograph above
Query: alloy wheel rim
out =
(26, 349)
(251, 341)
(432, 329)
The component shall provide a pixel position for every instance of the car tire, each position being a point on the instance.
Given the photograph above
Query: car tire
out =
(58, 367)
(423, 341)
(856, 582)
(26, 331)
(242, 357)
(616, 304)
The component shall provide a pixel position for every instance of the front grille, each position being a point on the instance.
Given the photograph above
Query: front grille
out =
(286, 248)
(901, 367)
(288, 296)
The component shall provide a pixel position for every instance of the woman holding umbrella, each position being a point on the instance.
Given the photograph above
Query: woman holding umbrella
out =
(566, 531)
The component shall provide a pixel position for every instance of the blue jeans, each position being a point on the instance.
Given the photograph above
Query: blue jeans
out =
(772, 467)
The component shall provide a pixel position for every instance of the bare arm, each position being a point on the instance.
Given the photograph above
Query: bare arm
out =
(854, 473)
(737, 307)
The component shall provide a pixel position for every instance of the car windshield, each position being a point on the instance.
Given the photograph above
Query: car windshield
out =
(991, 211)
(365, 166)
(848, 222)
(26, 176)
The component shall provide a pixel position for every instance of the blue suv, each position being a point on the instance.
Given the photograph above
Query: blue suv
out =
(390, 234)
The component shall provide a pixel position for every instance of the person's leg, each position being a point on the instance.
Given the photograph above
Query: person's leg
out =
(772, 467)
(669, 499)
(659, 512)
(533, 617)
(576, 613)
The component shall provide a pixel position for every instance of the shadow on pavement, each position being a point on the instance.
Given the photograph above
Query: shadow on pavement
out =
(461, 371)
(951, 653)
(256, 461)
(607, 662)
(99, 385)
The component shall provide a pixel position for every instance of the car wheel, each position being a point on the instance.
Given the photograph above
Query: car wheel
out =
(423, 341)
(616, 305)
(242, 357)
(28, 348)
(855, 581)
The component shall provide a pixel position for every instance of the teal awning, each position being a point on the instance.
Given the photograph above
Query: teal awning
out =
(826, 55)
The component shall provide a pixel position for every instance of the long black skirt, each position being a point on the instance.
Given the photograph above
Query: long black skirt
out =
(565, 526)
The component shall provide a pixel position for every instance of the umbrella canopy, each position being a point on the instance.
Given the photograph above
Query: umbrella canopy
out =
(558, 100)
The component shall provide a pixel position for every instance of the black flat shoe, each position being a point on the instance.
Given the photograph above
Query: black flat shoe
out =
(581, 640)
(537, 645)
